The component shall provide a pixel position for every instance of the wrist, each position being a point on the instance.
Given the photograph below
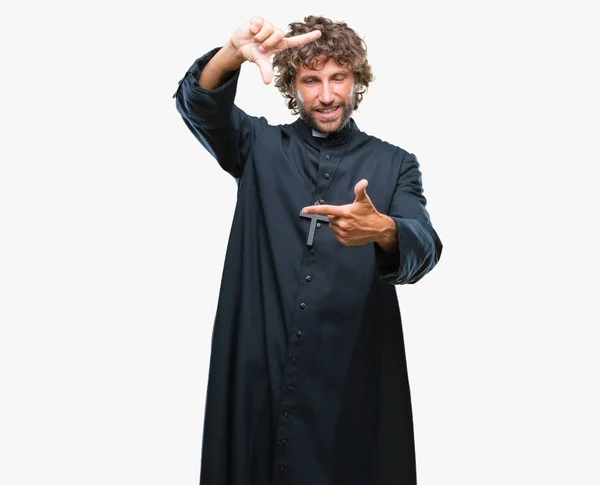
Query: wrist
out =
(388, 238)
(231, 56)
(220, 68)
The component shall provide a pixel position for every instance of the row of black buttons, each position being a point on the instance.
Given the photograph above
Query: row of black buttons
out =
(287, 415)
(291, 387)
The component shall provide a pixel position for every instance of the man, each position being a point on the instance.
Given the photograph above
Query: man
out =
(308, 381)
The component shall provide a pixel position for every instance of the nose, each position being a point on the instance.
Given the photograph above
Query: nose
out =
(326, 96)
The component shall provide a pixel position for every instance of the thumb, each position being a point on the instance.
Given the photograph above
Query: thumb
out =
(265, 69)
(360, 191)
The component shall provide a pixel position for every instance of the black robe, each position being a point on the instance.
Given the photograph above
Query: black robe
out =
(308, 382)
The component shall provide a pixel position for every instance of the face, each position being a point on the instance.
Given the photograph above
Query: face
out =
(325, 96)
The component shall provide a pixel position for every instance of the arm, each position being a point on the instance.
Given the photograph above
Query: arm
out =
(226, 131)
(220, 68)
(406, 246)
(405, 243)
(418, 248)
(206, 93)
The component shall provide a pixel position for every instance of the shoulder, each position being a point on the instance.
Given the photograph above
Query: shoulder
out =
(382, 148)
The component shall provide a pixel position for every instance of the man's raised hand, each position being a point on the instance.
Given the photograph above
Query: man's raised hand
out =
(258, 39)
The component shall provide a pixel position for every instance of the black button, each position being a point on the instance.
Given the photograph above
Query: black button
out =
(284, 443)
(287, 415)
(291, 388)
(313, 252)
(282, 469)
(327, 157)
(325, 176)
(321, 201)
(308, 278)
(302, 305)
(299, 333)
(318, 225)
(295, 360)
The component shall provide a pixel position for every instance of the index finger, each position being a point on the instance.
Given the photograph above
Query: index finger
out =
(299, 40)
(326, 210)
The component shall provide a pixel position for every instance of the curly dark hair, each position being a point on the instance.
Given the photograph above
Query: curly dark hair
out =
(337, 41)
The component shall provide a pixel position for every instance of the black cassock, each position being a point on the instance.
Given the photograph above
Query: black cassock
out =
(308, 382)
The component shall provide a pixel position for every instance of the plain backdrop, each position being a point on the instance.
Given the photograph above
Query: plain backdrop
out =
(114, 223)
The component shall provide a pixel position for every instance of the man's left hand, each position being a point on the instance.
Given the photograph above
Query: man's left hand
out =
(358, 223)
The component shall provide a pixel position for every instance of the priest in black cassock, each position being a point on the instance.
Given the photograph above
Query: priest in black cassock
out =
(308, 381)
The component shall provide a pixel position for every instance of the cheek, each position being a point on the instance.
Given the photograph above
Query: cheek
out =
(307, 96)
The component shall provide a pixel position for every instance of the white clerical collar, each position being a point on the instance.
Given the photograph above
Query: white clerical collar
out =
(319, 134)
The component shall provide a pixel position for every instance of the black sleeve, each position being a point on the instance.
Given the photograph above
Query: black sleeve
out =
(227, 132)
(419, 246)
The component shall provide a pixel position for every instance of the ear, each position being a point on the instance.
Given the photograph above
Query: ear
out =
(353, 94)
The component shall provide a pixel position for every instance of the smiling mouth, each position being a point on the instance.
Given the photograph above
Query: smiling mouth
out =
(329, 114)
(327, 110)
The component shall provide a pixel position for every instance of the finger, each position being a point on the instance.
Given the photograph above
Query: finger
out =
(266, 70)
(341, 239)
(256, 24)
(265, 32)
(274, 39)
(340, 224)
(326, 210)
(360, 191)
(299, 40)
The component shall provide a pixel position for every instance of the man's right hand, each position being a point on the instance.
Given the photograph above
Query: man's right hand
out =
(257, 40)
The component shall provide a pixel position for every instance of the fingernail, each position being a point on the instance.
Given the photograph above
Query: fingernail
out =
(261, 48)
(304, 211)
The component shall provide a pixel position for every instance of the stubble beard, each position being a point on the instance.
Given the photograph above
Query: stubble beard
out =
(309, 117)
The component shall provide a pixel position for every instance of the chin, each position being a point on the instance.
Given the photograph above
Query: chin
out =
(327, 127)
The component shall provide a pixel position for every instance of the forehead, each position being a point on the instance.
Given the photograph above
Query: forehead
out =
(322, 68)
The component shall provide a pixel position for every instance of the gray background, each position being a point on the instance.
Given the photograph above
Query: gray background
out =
(114, 223)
